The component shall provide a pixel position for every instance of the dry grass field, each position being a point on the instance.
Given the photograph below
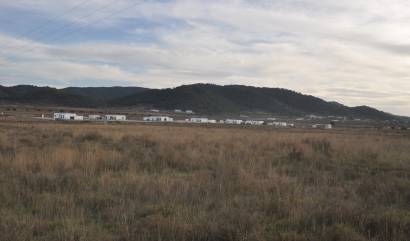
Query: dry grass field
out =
(136, 182)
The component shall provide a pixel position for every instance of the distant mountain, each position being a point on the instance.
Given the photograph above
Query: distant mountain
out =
(202, 98)
(40, 95)
(71, 96)
(102, 95)
(214, 99)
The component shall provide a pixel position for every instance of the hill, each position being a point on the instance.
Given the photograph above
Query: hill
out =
(214, 99)
(102, 95)
(27, 94)
(71, 96)
(202, 98)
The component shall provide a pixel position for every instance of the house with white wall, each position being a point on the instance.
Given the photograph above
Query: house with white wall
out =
(199, 120)
(322, 126)
(94, 117)
(158, 119)
(254, 122)
(233, 122)
(278, 124)
(115, 118)
(67, 116)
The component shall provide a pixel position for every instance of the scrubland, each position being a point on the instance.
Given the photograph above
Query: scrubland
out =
(135, 182)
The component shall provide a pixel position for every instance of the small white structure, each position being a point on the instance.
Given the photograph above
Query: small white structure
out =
(199, 120)
(178, 111)
(189, 112)
(115, 118)
(94, 117)
(221, 122)
(278, 124)
(154, 110)
(254, 122)
(212, 121)
(233, 122)
(322, 126)
(79, 118)
(158, 119)
(67, 116)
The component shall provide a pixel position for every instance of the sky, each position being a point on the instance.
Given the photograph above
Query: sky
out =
(356, 52)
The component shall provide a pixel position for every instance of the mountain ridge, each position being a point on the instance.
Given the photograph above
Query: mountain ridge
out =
(202, 98)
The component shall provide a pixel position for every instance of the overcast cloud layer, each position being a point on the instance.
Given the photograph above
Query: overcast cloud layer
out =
(356, 52)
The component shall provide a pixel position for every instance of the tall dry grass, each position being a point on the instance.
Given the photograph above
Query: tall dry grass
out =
(95, 182)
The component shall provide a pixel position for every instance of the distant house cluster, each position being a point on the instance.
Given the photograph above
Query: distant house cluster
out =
(279, 124)
(158, 119)
(115, 117)
(68, 116)
(254, 122)
(245, 120)
(200, 120)
(75, 117)
(233, 122)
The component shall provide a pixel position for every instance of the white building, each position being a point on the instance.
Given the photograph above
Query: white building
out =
(115, 117)
(199, 120)
(67, 116)
(178, 111)
(94, 117)
(278, 124)
(189, 112)
(158, 119)
(254, 122)
(322, 126)
(233, 122)
(154, 110)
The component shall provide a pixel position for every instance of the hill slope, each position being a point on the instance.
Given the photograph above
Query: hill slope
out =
(202, 98)
(214, 99)
(71, 96)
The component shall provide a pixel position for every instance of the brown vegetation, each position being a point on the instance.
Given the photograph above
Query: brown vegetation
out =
(96, 182)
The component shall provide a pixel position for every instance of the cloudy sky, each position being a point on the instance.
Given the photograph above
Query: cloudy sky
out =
(356, 52)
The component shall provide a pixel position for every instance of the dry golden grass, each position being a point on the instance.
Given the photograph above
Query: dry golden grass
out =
(124, 182)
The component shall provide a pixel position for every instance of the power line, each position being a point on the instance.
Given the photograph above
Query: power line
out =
(65, 26)
(78, 28)
(44, 24)
(67, 13)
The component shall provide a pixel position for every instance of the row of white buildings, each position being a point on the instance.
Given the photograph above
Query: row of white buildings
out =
(158, 119)
(204, 120)
(199, 120)
(75, 117)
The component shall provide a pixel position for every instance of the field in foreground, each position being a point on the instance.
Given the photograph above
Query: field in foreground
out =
(96, 182)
